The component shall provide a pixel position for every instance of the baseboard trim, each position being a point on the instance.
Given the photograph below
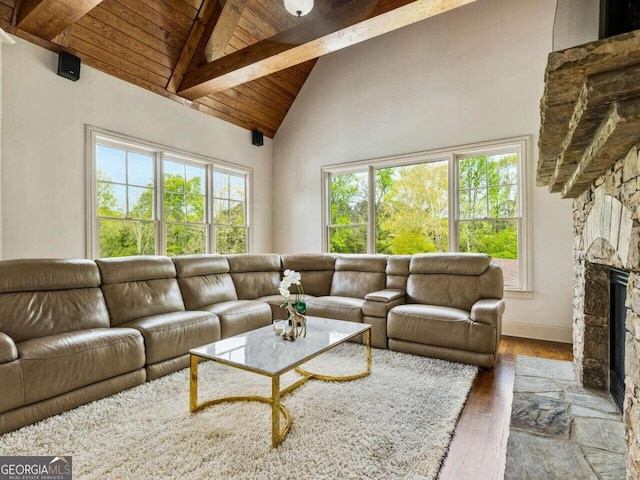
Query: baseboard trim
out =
(538, 332)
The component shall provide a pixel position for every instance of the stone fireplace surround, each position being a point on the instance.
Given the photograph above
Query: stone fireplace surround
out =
(606, 221)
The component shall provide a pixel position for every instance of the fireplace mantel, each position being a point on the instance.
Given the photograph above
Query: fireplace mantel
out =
(590, 112)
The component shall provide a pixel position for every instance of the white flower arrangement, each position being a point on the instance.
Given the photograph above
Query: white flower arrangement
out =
(291, 277)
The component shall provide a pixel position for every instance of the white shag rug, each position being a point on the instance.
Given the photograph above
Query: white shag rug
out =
(394, 424)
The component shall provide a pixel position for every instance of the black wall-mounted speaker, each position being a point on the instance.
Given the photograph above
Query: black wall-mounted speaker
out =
(69, 66)
(257, 138)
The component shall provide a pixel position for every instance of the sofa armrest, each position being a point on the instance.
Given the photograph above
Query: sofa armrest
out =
(386, 296)
(378, 304)
(488, 311)
(8, 350)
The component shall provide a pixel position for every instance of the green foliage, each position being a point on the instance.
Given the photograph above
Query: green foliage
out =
(183, 203)
(497, 238)
(412, 213)
(230, 239)
(349, 207)
(411, 205)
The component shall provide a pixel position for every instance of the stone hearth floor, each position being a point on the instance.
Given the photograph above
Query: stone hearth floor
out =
(560, 430)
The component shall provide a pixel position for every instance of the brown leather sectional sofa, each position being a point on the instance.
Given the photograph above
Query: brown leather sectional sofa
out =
(73, 331)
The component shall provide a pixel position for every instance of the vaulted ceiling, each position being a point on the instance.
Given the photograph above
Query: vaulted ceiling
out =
(243, 61)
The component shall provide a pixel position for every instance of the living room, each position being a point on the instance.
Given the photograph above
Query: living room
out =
(466, 83)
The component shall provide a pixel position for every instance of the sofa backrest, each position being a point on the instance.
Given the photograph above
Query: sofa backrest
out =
(255, 275)
(455, 280)
(139, 286)
(204, 280)
(316, 271)
(398, 271)
(358, 275)
(41, 297)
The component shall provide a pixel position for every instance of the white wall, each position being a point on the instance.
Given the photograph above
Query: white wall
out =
(469, 75)
(43, 193)
(576, 22)
(1, 43)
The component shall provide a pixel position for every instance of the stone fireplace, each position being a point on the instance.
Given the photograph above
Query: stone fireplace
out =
(589, 142)
(607, 234)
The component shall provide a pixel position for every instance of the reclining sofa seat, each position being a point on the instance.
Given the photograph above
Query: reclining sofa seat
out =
(206, 284)
(57, 350)
(354, 278)
(454, 309)
(142, 293)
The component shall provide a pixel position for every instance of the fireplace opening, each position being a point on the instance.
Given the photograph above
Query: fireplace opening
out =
(618, 281)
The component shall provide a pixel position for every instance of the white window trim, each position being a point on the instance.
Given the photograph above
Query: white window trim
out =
(95, 135)
(451, 154)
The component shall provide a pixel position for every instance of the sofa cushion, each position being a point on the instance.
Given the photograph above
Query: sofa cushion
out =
(132, 300)
(316, 271)
(27, 315)
(135, 268)
(358, 275)
(173, 334)
(61, 363)
(204, 280)
(398, 271)
(340, 308)
(440, 326)
(450, 263)
(203, 290)
(138, 287)
(255, 275)
(41, 274)
(275, 304)
(12, 392)
(196, 265)
(8, 350)
(240, 316)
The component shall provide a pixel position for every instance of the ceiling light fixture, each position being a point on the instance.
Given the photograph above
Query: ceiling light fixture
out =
(298, 7)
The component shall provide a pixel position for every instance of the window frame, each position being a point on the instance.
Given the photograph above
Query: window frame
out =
(98, 136)
(520, 145)
(212, 224)
(326, 213)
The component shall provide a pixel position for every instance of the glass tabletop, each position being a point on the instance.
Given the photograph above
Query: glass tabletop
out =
(264, 352)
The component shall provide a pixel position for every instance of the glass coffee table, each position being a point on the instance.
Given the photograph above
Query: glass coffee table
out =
(263, 352)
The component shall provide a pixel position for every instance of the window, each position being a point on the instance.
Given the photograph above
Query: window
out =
(125, 192)
(466, 199)
(146, 199)
(184, 205)
(229, 211)
(348, 212)
(488, 209)
(412, 208)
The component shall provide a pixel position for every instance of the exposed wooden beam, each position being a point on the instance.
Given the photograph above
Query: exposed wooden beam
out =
(208, 16)
(347, 25)
(223, 30)
(48, 18)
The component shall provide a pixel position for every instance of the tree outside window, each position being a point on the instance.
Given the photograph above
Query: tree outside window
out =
(488, 209)
(229, 212)
(349, 204)
(454, 202)
(125, 189)
(150, 202)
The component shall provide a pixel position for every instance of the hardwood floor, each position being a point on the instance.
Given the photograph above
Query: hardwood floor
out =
(479, 446)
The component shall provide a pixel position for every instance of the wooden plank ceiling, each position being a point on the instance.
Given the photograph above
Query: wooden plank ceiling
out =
(156, 43)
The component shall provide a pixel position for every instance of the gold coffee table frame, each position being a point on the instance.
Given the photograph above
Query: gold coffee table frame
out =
(277, 434)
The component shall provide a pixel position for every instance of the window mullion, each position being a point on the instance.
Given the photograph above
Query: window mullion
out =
(454, 203)
(161, 227)
(371, 222)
